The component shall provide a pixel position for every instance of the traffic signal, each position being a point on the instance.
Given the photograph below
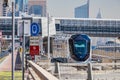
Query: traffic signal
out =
(5, 3)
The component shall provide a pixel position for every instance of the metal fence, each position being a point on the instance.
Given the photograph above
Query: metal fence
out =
(80, 71)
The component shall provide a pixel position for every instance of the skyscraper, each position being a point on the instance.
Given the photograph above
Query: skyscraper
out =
(25, 5)
(82, 11)
(19, 5)
(37, 7)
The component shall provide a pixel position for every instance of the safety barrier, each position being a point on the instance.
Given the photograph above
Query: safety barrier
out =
(38, 73)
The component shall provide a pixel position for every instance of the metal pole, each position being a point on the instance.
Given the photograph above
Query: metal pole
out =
(23, 52)
(90, 76)
(57, 70)
(115, 55)
(48, 39)
(13, 34)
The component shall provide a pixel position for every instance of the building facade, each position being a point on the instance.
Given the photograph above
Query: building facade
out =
(19, 5)
(1, 7)
(92, 26)
(37, 7)
(82, 11)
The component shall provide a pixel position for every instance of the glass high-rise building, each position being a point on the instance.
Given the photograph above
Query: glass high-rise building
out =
(19, 4)
(37, 7)
(82, 11)
(25, 5)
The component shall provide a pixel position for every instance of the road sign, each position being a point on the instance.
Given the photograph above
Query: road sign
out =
(34, 46)
(44, 27)
(35, 29)
(34, 40)
(34, 50)
(26, 27)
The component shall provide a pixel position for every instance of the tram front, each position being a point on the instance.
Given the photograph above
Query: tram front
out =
(79, 47)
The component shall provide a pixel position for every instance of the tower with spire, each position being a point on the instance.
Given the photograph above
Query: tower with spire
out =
(99, 14)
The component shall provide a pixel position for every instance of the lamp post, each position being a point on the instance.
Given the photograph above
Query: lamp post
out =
(5, 4)
(13, 34)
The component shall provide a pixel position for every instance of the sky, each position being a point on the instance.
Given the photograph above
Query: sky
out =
(65, 8)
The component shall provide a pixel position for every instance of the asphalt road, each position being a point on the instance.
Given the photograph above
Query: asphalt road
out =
(7, 63)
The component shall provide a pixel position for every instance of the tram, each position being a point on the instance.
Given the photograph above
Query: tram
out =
(71, 48)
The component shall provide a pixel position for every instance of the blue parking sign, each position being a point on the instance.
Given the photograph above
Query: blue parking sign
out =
(35, 29)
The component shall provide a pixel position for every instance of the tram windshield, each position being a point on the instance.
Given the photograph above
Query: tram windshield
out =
(80, 47)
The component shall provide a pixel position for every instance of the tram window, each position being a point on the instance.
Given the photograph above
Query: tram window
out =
(80, 47)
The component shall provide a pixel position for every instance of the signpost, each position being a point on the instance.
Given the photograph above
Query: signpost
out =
(34, 46)
(34, 40)
(13, 34)
(26, 28)
(23, 30)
